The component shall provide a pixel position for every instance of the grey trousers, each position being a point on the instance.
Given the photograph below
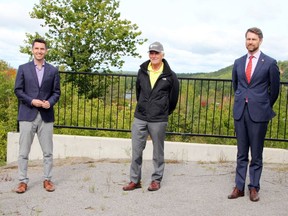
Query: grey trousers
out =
(45, 135)
(140, 131)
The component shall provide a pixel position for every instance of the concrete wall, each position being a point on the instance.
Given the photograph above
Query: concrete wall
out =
(117, 148)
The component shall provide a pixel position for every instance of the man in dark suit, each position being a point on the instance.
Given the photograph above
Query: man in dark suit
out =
(256, 83)
(37, 87)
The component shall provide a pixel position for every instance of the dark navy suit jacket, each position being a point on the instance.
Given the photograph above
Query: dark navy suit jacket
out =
(262, 91)
(27, 88)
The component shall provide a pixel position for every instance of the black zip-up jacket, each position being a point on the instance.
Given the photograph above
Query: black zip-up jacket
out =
(155, 105)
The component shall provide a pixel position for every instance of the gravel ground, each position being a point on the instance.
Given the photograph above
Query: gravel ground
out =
(88, 187)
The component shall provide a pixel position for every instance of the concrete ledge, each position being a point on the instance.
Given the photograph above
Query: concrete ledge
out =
(118, 148)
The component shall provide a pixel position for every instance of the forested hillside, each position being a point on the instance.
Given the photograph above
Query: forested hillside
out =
(225, 73)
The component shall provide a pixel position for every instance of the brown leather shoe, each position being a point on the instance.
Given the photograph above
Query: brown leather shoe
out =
(254, 195)
(22, 187)
(154, 186)
(48, 185)
(236, 193)
(132, 186)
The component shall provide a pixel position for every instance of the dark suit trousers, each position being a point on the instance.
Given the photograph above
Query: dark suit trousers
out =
(249, 135)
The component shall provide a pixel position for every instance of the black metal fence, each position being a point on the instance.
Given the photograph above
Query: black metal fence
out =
(107, 101)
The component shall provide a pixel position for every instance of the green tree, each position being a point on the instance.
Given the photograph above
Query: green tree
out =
(4, 66)
(85, 35)
(283, 66)
(8, 106)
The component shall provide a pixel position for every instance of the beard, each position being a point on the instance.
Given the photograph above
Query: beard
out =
(252, 48)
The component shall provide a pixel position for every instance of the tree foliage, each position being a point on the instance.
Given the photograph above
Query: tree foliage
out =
(85, 35)
(283, 66)
(4, 66)
(8, 106)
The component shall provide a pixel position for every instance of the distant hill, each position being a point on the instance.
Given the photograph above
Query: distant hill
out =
(226, 73)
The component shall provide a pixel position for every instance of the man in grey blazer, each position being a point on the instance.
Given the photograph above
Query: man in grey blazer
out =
(37, 87)
(256, 84)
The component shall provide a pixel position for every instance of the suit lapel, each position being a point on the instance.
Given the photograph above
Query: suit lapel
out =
(33, 72)
(46, 71)
(243, 63)
(257, 70)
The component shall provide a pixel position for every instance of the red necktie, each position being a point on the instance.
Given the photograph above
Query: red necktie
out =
(249, 69)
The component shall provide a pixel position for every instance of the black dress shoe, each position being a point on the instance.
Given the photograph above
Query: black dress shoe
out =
(236, 193)
(254, 195)
(132, 186)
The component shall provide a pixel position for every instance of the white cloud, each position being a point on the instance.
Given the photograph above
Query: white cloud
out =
(198, 36)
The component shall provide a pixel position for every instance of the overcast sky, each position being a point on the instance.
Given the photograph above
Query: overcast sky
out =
(197, 35)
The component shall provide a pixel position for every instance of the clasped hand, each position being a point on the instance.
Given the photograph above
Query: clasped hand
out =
(39, 103)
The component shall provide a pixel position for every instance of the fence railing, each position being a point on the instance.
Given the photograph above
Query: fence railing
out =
(107, 101)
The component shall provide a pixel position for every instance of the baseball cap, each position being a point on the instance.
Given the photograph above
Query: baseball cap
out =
(156, 46)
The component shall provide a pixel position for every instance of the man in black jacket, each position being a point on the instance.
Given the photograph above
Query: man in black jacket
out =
(157, 90)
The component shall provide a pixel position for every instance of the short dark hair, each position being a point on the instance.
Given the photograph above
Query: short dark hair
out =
(255, 30)
(39, 40)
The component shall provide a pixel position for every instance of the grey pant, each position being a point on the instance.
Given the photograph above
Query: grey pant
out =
(140, 131)
(45, 135)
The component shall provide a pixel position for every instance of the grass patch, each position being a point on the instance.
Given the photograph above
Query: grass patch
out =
(2, 163)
